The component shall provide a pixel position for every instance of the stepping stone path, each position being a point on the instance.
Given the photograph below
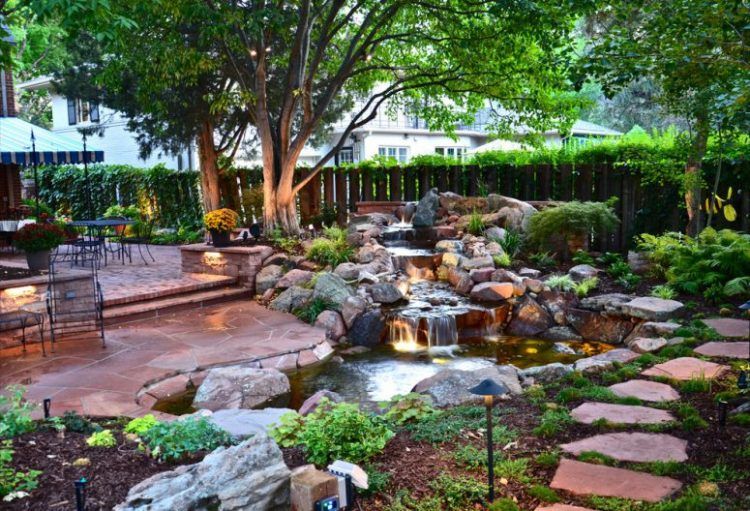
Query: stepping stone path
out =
(636, 447)
(729, 327)
(588, 479)
(563, 507)
(686, 368)
(725, 349)
(645, 390)
(590, 412)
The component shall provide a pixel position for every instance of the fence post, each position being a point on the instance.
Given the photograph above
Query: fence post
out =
(353, 189)
(366, 184)
(395, 184)
(409, 192)
(341, 199)
(424, 181)
(328, 185)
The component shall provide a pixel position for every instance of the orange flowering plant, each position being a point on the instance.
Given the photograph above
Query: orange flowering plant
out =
(222, 220)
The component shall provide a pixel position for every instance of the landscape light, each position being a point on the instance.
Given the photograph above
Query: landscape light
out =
(46, 404)
(489, 388)
(81, 494)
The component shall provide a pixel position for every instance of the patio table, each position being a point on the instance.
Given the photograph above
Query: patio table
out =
(95, 229)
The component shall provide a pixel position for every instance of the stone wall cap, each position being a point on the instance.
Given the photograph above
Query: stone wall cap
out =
(202, 247)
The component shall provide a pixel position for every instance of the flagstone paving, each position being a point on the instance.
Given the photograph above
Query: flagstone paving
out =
(636, 447)
(588, 479)
(590, 412)
(729, 327)
(563, 507)
(82, 377)
(645, 390)
(725, 349)
(686, 368)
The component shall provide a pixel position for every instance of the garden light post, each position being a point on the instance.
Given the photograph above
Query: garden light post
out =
(35, 163)
(86, 177)
(489, 389)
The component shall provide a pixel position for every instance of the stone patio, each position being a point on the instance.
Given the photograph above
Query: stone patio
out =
(83, 377)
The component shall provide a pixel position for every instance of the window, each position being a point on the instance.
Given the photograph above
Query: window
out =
(401, 154)
(451, 152)
(346, 155)
(82, 111)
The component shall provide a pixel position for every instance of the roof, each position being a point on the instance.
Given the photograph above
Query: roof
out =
(498, 145)
(589, 128)
(51, 148)
(40, 82)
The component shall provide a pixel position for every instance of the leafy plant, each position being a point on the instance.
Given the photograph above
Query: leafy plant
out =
(16, 418)
(102, 439)
(458, 493)
(405, 408)
(78, 424)
(553, 422)
(619, 269)
(513, 469)
(10, 480)
(287, 433)
(542, 259)
(178, 439)
(38, 237)
(285, 243)
(446, 425)
(582, 257)
(312, 309)
(543, 493)
(504, 504)
(470, 457)
(140, 425)
(663, 291)
(610, 258)
(377, 480)
(222, 220)
(330, 251)
(561, 282)
(502, 260)
(511, 242)
(547, 459)
(584, 287)
(476, 224)
(629, 281)
(132, 211)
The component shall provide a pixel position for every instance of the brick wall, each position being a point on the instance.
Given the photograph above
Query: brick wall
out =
(9, 93)
(243, 263)
(10, 187)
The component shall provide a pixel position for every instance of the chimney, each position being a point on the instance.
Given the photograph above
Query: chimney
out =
(7, 91)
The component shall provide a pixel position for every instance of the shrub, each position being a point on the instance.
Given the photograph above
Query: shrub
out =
(476, 224)
(340, 431)
(561, 282)
(542, 259)
(16, 417)
(543, 493)
(75, 423)
(178, 439)
(310, 312)
(116, 210)
(569, 220)
(10, 480)
(502, 260)
(140, 425)
(287, 432)
(619, 269)
(504, 504)
(330, 252)
(38, 237)
(584, 287)
(377, 481)
(410, 407)
(663, 291)
(458, 493)
(285, 243)
(629, 281)
(102, 439)
(582, 257)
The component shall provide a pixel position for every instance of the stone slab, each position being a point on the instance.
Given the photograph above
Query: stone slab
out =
(590, 412)
(686, 368)
(652, 309)
(729, 327)
(562, 507)
(636, 447)
(725, 349)
(645, 390)
(242, 424)
(647, 344)
(605, 360)
(588, 479)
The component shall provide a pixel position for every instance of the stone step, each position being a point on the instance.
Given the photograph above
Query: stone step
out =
(588, 479)
(724, 349)
(562, 507)
(636, 447)
(189, 283)
(590, 412)
(154, 308)
(645, 390)
(686, 368)
(729, 327)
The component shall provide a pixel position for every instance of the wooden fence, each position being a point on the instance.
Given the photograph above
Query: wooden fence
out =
(641, 208)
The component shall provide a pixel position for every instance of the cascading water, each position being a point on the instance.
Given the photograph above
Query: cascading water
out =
(441, 331)
(404, 332)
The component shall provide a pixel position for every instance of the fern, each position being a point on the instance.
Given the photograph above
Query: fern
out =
(561, 282)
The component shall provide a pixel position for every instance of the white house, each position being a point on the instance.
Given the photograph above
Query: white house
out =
(118, 143)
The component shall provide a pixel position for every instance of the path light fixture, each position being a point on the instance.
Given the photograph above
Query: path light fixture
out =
(489, 389)
(46, 404)
(742, 378)
(80, 485)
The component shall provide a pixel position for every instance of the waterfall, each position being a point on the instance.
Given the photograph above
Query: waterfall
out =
(404, 332)
(441, 330)
(489, 322)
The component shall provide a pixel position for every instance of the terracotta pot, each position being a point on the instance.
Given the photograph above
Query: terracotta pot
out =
(220, 238)
(38, 260)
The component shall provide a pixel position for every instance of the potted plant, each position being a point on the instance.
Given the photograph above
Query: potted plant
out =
(131, 212)
(37, 240)
(220, 223)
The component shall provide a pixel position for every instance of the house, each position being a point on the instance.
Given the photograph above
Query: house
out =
(120, 144)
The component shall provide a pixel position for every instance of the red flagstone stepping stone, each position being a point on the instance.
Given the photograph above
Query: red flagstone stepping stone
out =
(725, 349)
(686, 368)
(729, 327)
(563, 507)
(646, 390)
(588, 413)
(638, 447)
(587, 479)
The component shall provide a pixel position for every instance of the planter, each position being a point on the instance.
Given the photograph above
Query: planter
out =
(38, 260)
(220, 238)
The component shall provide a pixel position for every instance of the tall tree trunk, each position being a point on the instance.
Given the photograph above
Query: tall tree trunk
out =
(209, 168)
(693, 176)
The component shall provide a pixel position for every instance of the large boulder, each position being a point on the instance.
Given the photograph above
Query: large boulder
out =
(450, 201)
(610, 302)
(515, 214)
(557, 304)
(546, 373)
(312, 402)
(242, 424)
(560, 333)
(385, 292)
(454, 246)
(529, 319)
(476, 263)
(491, 291)
(241, 387)
(426, 210)
(293, 298)
(332, 323)
(347, 271)
(251, 476)
(599, 326)
(604, 361)
(651, 308)
(352, 307)
(331, 288)
(267, 278)
(295, 277)
(582, 272)
(367, 330)
(450, 387)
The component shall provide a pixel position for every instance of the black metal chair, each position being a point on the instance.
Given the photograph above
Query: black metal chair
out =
(75, 308)
(142, 238)
(21, 319)
(112, 236)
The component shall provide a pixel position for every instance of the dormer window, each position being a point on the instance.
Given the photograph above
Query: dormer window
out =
(82, 111)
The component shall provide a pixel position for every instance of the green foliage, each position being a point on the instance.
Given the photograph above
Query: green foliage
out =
(511, 242)
(140, 425)
(561, 282)
(103, 438)
(75, 423)
(714, 264)
(458, 493)
(502, 260)
(610, 258)
(690, 418)
(401, 409)
(553, 422)
(596, 458)
(504, 504)
(542, 259)
(741, 419)
(183, 235)
(543, 493)
(331, 249)
(513, 469)
(583, 288)
(132, 212)
(377, 480)
(15, 419)
(582, 257)
(447, 425)
(176, 440)
(619, 269)
(696, 385)
(569, 220)
(334, 431)
(664, 292)
(312, 309)
(285, 243)
(629, 281)
(476, 224)
(547, 459)
(10, 480)
(470, 457)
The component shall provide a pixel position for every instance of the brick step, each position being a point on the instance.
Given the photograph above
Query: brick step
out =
(155, 308)
(179, 288)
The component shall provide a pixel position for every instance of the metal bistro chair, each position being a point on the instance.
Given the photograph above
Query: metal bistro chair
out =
(113, 237)
(22, 319)
(76, 308)
(142, 238)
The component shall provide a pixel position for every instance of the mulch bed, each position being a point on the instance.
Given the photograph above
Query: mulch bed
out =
(13, 273)
(110, 474)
